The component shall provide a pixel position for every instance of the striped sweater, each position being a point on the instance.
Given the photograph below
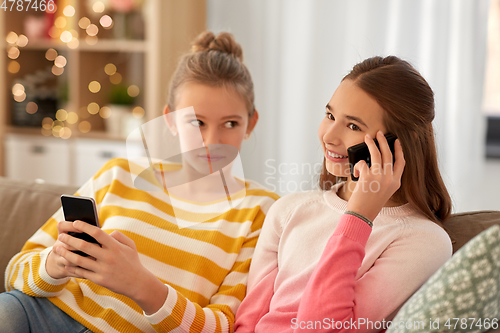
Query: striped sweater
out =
(205, 270)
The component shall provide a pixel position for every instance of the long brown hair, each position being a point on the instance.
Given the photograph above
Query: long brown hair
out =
(408, 102)
(214, 61)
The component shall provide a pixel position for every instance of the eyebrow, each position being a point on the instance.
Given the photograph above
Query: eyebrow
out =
(223, 118)
(329, 108)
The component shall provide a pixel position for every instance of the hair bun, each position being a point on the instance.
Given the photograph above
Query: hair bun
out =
(223, 42)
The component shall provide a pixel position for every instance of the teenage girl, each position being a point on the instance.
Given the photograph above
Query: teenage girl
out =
(149, 274)
(346, 258)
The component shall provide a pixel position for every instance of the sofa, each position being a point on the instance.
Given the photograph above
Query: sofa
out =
(26, 205)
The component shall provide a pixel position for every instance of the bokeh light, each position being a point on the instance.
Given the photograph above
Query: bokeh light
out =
(61, 115)
(115, 78)
(22, 41)
(57, 70)
(84, 22)
(60, 22)
(51, 54)
(94, 87)
(106, 21)
(13, 52)
(138, 112)
(11, 37)
(92, 30)
(66, 36)
(69, 11)
(93, 108)
(110, 69)
(72, 117)
(84, 126)
(133, 90)
(105, 112)
(60, 61)
(13, 67)
(98, 7)
(31, 107)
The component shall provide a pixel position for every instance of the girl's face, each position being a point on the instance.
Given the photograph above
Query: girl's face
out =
(350, 114)
(220, 122)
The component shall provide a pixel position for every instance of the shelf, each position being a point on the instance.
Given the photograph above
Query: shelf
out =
(102, 45)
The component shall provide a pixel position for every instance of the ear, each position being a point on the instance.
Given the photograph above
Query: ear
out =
(170, 120)
(252, 121)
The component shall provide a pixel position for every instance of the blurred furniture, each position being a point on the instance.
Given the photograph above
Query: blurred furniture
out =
(70, 61)
(493, 137)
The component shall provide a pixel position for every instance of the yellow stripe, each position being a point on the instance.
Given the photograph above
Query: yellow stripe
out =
(178, 258)
(101, 291)
(91, 308)
(175, 318)
(39, 282)
(199, 321)
(224, 242)
(26, 273)
(238, 291)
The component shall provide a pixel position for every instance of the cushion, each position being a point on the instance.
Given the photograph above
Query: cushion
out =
(462, 227)
(466, 287)
(24, 207)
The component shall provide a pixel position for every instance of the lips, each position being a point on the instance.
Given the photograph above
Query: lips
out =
(211, 158)
(333, 156)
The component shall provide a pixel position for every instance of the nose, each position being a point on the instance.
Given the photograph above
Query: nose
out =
(332, 134)
(211, 136)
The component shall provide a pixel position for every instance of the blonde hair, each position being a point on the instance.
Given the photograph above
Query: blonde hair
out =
(216, 61)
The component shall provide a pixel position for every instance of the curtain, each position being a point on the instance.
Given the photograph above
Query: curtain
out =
(298, 50)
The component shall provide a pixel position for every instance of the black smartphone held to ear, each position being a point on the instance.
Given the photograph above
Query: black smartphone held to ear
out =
(360, 152)
(83, 209)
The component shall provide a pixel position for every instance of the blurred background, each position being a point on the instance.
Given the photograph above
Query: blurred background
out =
(79, 76)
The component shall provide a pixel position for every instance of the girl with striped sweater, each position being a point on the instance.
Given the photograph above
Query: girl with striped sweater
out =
(152, 274)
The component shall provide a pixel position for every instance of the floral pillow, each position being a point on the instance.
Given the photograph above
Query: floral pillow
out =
(462, 296)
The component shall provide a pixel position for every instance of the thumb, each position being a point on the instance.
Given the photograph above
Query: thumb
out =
(358, 168)
(121, 238)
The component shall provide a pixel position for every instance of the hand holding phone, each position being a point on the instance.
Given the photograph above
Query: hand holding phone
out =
(360, 152)
(83, 209)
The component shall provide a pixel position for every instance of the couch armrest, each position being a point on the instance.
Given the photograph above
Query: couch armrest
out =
(25, 206)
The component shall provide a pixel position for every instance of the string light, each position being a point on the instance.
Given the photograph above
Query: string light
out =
(84, 22)
(84, 126)
(31, 107)
(133, 90)
(69, 11)
(51, 54)
(138, 112)
(13, 67)
(110, 69)
(94, 87)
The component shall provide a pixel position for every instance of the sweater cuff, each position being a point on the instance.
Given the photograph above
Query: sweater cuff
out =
(56, 284)
(354, 228)
(166, 309)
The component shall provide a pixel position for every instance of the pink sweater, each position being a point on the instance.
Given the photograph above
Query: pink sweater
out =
(316, 269)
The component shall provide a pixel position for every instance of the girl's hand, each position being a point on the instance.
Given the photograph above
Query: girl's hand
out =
(377, 184)
(115, 266)
(56, 265)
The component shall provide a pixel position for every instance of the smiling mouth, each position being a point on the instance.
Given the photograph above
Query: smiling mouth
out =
(212, 157)
(333, 155)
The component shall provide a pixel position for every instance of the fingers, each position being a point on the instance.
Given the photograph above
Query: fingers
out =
(70, 259)
(65, 227)
(400, 162)
(123, 239)
(72, 243)
(385, 149)
(92, 230)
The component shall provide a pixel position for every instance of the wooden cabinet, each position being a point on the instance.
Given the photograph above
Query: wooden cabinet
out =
(63, 162)
(32, 87)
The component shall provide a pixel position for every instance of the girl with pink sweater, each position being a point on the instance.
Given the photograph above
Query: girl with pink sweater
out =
(346, 258)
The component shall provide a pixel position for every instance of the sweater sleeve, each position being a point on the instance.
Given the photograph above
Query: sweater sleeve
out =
(26, 270)
(263, 272)
(365, 303)
(330, 293)
(181, 314)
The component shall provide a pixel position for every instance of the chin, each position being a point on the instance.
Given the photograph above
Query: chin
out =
(338, 170)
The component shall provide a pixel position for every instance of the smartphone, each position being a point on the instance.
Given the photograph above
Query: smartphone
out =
(360, 152)
(83, 209)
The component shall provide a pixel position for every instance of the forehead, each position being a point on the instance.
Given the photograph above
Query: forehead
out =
(351, 100)
(208, 100)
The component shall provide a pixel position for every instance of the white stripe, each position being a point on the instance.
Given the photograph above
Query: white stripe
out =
(42, 238)
(210, 323)
(231, 301)
(68, 299)
(183, 243)
(224, 323)
(180, 277)
(129, 314)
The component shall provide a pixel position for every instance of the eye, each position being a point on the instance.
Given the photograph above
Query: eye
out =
(354, 127)
(230, 124)
(196, 123)
(329, 115)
